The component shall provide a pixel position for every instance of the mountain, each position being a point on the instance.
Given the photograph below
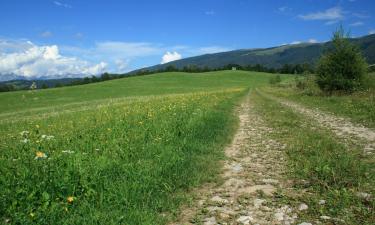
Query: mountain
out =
(274, 57)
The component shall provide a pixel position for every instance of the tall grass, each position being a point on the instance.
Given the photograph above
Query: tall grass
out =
(128, 163)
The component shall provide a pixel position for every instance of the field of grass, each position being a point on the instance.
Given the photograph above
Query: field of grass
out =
(358, 107)
(118, 152)
(327, 168)
(163, 83)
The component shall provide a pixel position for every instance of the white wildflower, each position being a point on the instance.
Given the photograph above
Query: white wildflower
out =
(67, 151)
(24, 133)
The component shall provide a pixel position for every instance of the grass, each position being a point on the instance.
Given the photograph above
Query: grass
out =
(332, 171)
(157, 84)
(358, 107)
(119, 152)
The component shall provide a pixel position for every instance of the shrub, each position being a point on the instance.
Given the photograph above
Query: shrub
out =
(307, 84)
(343, 67)
(275, 79)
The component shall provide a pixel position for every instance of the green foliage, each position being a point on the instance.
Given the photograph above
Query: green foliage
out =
(307, 84)
(343, 67)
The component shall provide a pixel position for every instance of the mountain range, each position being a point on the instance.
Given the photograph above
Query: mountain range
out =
(274, 57)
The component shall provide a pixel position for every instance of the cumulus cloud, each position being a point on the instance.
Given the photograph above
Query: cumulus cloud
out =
(33, 61)
(170, 56)
(312, 41)
(335, 13)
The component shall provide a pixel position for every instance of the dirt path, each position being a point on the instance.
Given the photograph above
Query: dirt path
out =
(342, 127)
(252, 176)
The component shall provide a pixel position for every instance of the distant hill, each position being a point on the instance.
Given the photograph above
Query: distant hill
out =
(20, 84)
(274, 57)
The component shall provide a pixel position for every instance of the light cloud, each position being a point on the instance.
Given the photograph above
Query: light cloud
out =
(312, 41)
(296, 42)
(61, 4)
(170, 56)
(128, 49)
(372, 31)
(332, 22)
(331, 14)
(33, 61)
(46, 34)
(78, 35)
(210, 13)
(211, 49)
(356, 24)
(361, 15)
(284, 9)
(122, 65)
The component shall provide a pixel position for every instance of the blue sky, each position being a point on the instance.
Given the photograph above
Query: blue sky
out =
(80, 37)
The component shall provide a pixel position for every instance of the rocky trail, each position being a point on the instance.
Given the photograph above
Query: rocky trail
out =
(253, 175)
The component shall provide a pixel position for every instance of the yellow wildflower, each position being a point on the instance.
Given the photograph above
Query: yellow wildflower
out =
(70, 199)
(40, 155)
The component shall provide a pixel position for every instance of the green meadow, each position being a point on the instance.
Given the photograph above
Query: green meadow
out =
(119, 152)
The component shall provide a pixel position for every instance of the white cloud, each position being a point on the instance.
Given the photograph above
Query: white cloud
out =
(61, 4)
(356, 24)
(170, 56)
(33, 61)
(372, 31)
(312, 41)
(46, 34)
(295, 43)
(335, 13)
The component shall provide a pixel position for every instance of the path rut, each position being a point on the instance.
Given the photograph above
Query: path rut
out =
(340, 126)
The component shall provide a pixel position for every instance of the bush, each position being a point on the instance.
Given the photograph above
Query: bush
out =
(275, 79)
(343, 67)
(307, 84)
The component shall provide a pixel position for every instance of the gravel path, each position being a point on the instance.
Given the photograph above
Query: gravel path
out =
(252, 175)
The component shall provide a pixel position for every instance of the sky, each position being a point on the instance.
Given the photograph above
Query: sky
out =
(60, 38)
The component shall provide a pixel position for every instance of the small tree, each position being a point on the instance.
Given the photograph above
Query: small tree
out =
(341, 68)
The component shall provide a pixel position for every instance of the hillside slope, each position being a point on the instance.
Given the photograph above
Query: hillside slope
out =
(274, 57)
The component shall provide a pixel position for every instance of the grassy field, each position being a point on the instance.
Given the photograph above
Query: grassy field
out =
(124, 151)
(323, 166)
(164, 83)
